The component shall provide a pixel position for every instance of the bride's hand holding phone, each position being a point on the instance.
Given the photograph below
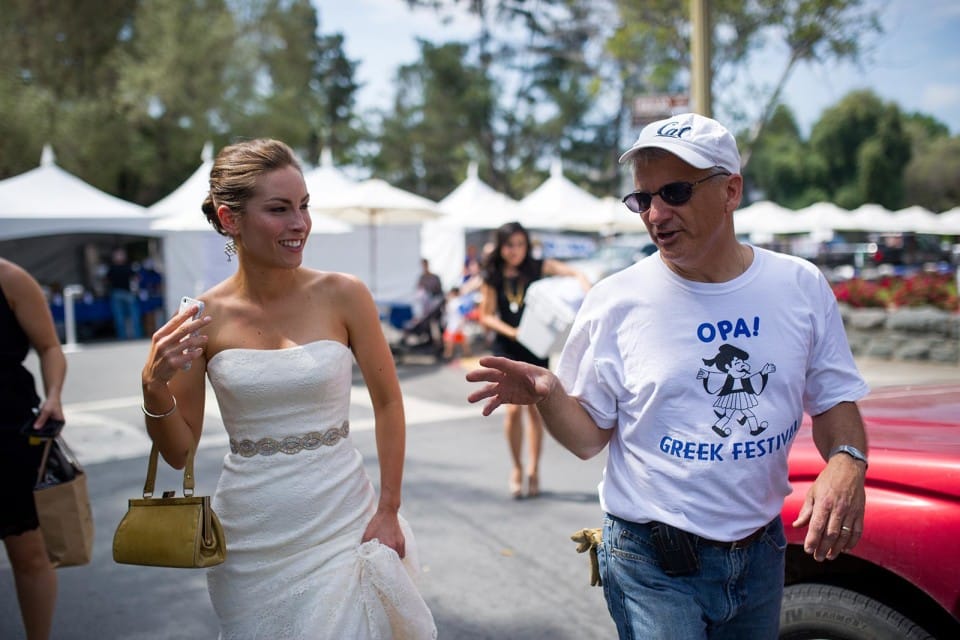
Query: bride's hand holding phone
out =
(178, 343)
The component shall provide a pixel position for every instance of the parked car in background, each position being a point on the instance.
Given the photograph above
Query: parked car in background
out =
(614, 255)
(908, 251)
(902, 581)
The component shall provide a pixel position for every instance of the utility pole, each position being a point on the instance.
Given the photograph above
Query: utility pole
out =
(701, 30)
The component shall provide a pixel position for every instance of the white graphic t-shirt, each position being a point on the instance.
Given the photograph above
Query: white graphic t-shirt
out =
(706, 384)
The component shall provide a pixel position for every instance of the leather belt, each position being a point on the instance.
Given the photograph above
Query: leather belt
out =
(742, 543)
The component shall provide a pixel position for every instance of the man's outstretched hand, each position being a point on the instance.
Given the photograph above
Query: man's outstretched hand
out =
(510, 382)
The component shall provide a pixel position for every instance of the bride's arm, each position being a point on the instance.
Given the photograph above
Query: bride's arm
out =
(373, 356)
(173, 399)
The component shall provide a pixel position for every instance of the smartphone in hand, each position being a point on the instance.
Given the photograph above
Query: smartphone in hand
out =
(50, 429)
(185, 303)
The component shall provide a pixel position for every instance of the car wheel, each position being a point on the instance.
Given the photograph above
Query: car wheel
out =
(826, 612)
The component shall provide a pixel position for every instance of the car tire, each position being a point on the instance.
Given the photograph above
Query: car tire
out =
(825, 612)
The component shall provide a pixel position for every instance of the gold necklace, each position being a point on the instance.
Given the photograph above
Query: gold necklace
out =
(515, 297)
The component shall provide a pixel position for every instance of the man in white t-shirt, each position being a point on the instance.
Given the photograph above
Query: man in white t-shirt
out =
(694, 366)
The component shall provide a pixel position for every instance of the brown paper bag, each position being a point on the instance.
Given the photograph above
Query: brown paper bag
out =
(63, 508)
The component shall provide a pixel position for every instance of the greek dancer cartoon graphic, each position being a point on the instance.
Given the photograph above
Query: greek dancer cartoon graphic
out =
(735, 387)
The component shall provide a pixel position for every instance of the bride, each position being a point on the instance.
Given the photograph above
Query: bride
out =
(312, 552)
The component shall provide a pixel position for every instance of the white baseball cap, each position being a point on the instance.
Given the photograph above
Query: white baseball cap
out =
(698, 140)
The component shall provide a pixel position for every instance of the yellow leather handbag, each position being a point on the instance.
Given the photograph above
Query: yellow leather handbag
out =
(169, 531)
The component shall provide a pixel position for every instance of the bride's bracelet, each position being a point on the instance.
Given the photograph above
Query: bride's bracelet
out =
(157, 416)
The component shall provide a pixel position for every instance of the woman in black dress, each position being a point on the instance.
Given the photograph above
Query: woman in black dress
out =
(508, 271)
(25, 321)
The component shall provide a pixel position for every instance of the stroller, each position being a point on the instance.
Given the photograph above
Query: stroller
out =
(422, 335)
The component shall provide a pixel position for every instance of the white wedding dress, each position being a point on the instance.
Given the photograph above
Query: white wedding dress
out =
(293, 518)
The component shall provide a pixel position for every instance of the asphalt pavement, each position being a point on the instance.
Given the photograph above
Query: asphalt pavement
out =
(493, 568)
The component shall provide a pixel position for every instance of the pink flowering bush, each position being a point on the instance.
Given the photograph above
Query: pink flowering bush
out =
(924, 289)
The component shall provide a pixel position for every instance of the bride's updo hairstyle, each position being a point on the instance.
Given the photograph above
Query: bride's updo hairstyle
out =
(236, 169)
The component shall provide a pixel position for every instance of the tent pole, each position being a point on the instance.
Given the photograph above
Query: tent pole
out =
(70, 292)
(373, 253)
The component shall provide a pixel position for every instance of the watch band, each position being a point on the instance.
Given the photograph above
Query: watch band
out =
(851, 451)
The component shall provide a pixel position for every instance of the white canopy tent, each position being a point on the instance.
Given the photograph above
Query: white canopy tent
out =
(949, 222)
(193, 259)
(392, 219)
(873, 217)
(341, 238)
(56, 226)
(473, 205)
(819, 220)
(561, 205)
(476, 205)
(823, 219)
(619, 219)
(762, 220)
(918, 220)
(326, 180)
(180, 210)
(49, 201)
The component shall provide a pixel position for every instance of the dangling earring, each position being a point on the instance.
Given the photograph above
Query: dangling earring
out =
(230, 249)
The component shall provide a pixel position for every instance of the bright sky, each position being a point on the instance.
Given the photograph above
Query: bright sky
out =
(916, 63)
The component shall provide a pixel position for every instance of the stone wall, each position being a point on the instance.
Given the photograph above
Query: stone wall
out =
(922, 333)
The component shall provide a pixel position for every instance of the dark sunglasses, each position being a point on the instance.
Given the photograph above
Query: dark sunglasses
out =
(674, 194)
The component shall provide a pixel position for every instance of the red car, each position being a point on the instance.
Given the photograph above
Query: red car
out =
(902, 581)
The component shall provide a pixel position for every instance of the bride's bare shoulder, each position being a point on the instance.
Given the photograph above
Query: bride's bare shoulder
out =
(336, 283)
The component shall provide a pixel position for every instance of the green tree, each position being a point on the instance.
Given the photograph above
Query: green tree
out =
(340, 128)
(652, 49)
(783, 168)
(274, 85)
(863, 146)
(932, 177)
(581, 63)
(924, 128)
(128, 91)
(815, 32)
(561, 103)
(288, 81)
(882, 160)
(55, 65)
(551, 96)
(167, 98)
(441, 116)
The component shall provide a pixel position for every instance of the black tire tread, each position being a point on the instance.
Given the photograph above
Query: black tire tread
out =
(850, 616)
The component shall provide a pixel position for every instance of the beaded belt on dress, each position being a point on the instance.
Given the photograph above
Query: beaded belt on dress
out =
(290, 444)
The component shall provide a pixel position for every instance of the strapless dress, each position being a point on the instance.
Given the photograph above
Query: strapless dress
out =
(294, 501)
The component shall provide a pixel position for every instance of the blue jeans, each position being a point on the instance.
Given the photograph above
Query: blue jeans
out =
(734, 595)
(125, 307)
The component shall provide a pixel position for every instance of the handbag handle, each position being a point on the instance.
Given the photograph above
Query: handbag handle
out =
(43, 461)
(152, 472)
(45, 457)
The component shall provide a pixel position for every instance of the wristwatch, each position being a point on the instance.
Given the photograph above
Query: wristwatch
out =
(851, 451)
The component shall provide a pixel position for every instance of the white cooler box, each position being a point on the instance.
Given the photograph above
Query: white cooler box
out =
(551, 305)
